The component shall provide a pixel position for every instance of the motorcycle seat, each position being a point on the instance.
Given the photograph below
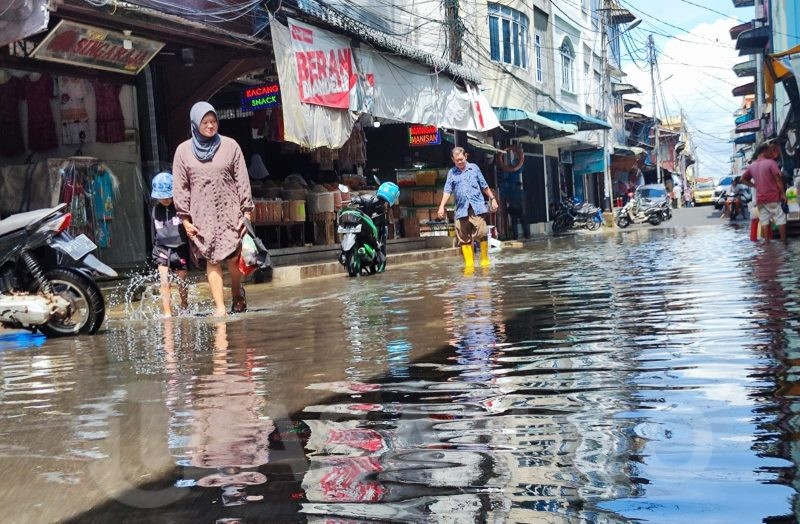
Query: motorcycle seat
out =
(21, 220)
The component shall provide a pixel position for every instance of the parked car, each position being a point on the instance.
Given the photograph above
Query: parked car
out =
(703, 192)
(719, 192)
(651, 192)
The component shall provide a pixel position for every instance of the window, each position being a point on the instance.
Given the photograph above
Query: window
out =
(537, 53)
(567, 63)
(508, 36)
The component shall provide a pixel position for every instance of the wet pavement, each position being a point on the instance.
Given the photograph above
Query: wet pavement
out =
(649, 375)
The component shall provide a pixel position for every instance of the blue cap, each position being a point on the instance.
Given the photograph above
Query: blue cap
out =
(162, 186)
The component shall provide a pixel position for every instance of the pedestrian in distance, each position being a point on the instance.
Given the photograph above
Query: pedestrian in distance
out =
(170, 246)
(765, 175)
(688, 196)
(466, 182)
(516, 211)
(212, 197)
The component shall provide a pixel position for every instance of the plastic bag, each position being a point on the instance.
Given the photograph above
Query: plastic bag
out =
(253, 254)
(249, 250)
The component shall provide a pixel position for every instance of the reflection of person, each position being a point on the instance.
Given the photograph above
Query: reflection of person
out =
(466, 182)
(228, 430)
(212, 196)
(170, 248)
(516, 211)
(765, 175)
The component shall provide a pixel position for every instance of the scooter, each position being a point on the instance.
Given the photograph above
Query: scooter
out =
(46, 280)
(364, 227)
(634, 212)
(573, 214)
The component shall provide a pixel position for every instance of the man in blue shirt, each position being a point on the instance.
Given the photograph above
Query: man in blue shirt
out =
(466, 182)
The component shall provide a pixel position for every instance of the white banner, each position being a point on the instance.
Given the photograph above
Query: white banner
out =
(325, 70)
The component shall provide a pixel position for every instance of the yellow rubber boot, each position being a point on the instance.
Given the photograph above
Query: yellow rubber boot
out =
(484, 253)
(469, 256)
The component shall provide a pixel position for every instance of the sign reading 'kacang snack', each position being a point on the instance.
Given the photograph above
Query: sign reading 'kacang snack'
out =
(325, 70)
(89, 46)
(261, 97)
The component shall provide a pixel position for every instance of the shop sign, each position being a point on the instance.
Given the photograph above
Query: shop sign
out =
(325, 68)
(260, 97)
(585, 162)
(88, 46)
(419, 135)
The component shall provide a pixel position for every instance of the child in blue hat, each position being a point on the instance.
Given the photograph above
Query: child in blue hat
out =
(170, 244)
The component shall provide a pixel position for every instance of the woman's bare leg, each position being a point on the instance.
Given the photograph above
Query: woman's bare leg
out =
(214, 275)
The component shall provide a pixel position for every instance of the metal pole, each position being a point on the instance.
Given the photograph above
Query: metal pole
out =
(608, 203)
(652, 46)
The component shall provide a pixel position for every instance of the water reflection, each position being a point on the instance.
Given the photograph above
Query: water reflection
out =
(227, 430)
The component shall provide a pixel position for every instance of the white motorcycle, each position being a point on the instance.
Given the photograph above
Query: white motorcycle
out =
(46, 280)
(636, 212)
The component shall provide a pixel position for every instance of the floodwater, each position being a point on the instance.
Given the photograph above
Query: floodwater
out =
(646, 376)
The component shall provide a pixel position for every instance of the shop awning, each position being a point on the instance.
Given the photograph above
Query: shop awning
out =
(622, 150)
(781, 67)
(746, 89)
(474, 142)
(753, 41)
(536, 124)
(739, 29)
(624, 89)
(749, 126)
(745, 139)
(631, 104)
(744, 3)
(741, 119)
(745, 68)
(584, 122)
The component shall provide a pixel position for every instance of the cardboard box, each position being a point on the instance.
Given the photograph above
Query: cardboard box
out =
(423, 197)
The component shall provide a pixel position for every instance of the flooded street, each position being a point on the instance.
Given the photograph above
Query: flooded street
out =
(648, 376)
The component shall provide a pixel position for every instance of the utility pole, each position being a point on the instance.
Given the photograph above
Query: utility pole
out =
(608, 203)
(454, 34)
(652, 47)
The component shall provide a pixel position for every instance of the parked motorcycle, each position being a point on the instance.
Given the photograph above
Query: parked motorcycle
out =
(636, 212)
(46, 282)
(364, 227)
(666, 209)
(573, 214)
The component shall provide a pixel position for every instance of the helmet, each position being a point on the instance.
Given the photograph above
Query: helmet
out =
(389, 192)
(162, 186)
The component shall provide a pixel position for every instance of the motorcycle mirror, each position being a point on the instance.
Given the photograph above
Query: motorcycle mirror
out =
(376, 179)
(343, 188)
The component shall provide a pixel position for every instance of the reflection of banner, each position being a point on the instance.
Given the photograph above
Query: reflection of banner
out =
(89, 46)
(324, 66)
(22, 19)
(587, 162)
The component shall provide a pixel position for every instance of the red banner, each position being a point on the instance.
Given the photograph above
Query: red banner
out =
(325, 70)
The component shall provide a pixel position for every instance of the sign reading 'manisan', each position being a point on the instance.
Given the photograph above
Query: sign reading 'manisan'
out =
(419, 135)
(89, 46)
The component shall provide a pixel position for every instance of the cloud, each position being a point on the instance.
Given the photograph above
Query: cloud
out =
(696, 75)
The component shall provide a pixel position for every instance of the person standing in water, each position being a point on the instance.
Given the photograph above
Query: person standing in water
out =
(170, 248)
(466, 182)
(212, 197)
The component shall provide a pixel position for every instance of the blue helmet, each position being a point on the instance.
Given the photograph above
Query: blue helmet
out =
(162, 186)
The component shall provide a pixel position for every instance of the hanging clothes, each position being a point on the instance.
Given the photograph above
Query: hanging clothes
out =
(41, 126)
(110, 120)
(73, 93)
(88, 186)
(10, 95)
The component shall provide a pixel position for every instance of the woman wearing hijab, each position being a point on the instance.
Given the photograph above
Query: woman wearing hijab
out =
(212, 194)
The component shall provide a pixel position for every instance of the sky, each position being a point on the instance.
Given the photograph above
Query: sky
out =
(695, 55)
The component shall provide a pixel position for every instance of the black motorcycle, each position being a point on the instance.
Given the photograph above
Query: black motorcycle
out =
(46, 278)
(363, 225)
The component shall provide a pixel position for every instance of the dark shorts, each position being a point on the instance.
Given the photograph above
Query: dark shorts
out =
(176, 258)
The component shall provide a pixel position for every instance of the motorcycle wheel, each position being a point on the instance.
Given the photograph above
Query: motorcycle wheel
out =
(353, 264)
(86, 302)
(559, 226)
(654, 219)
(592, 224)
(623, 222)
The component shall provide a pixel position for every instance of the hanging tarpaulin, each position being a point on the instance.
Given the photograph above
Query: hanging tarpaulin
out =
(378, 84)
(309, 125)
(22, 19)
(324, 61)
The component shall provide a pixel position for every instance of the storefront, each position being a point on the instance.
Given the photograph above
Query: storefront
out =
(90, 112)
